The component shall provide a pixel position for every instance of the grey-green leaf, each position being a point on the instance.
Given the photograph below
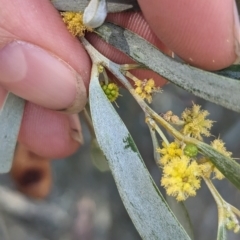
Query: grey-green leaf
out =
(10, 119)
(142, 199)
(227, 166)
(80, 5)
(181, 213)
(221, 234)
(212, 87)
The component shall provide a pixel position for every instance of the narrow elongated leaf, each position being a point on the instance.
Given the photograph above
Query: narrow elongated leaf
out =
(228, 167)
(212, 87)
(142, 199)
(181, 213)
(80, 5)
(10, 119)
(221, 234)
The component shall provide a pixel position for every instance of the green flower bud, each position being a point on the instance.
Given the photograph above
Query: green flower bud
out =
(111, 90)
(190, 150)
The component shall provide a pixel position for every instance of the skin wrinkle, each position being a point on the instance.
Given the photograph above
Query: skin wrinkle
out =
(5, 37)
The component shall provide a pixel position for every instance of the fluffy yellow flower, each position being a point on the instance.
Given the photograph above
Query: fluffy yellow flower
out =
(181, 178)
(74, 22)
(208, 167)
(169, 152)
(145, 89)
(195, 122)
(219, 145)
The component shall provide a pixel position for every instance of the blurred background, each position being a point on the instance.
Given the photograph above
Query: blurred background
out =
(84, 203)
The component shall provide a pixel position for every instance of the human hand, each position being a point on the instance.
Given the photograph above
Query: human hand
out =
(38, 74)
(42, 63)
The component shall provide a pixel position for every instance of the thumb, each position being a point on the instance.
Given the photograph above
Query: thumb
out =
(39, 60)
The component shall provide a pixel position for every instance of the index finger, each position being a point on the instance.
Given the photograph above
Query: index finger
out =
(204, 33)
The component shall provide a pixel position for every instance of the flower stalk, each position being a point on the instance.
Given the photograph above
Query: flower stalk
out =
(226, 212)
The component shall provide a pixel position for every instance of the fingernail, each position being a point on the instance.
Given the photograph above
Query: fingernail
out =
(76, 130)
(40, 77)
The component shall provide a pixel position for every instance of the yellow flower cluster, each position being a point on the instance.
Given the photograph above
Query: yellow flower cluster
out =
(195, 122)
(207, 167)
(111, 90)
(181, 174)
(184, 165)
(181, 178)
(146, 88)
(179, 159)
(169, 152)
(74, 23)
